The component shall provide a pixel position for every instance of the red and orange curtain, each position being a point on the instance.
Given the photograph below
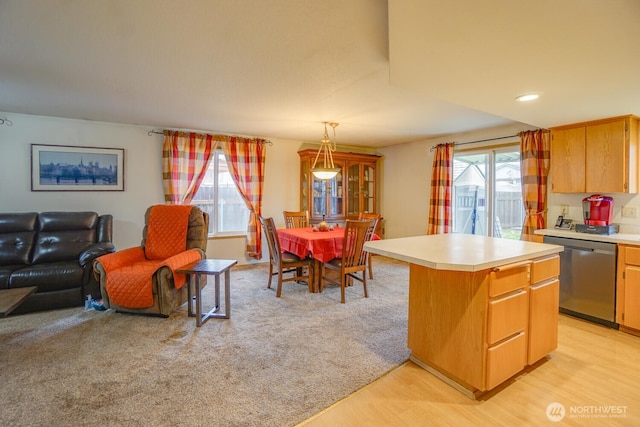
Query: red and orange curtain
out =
(246, 160)
(185, 159)
(441, 181)
(534, 170)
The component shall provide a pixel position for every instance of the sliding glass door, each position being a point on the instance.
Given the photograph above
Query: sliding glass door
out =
(487, 195)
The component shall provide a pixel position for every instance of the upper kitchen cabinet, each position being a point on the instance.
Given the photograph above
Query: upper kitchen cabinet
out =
(352, 191)
(595, 157)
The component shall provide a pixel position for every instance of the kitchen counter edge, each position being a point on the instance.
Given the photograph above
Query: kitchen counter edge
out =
(627, 239)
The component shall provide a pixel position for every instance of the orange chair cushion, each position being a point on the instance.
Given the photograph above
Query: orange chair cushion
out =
(129, 275)
(166, 231)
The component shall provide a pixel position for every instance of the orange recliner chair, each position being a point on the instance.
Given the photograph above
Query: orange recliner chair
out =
(142, 279)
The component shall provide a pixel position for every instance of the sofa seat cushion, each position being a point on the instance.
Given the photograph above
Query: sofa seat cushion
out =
(5, 273)
(48, 277)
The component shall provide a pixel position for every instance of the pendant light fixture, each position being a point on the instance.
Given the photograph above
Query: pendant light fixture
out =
(328, 169)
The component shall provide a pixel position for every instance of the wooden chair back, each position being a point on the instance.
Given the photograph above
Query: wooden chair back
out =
(366, 215)
(271, 233)
(283, 263)
(377, 218)
(354, 257)
(296, 219)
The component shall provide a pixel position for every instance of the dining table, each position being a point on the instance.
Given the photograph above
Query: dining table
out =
(321, 246)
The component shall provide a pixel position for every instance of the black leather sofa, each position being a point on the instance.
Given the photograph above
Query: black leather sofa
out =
(53, 251)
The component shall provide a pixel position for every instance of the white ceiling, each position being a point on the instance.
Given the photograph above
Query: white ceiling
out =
(278, 68)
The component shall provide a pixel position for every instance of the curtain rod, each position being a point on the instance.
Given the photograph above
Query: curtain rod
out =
(151, 132)
(480, 140)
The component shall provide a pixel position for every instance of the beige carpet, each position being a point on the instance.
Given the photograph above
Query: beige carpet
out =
(276, 362)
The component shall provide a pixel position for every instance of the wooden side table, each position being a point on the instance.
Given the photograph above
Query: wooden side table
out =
(211, 267)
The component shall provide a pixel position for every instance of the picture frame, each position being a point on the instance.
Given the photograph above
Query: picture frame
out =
(72, 168)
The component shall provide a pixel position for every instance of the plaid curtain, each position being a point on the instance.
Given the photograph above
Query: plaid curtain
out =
(246, 158)
(441, 180)
(534, 169)
(185, 159)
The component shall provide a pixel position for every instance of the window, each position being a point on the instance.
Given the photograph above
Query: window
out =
(487, 195)
(219, 197)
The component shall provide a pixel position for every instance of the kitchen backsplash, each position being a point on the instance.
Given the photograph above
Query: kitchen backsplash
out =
(573, 203)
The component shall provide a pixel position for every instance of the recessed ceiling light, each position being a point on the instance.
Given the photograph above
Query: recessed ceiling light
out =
(528, 97)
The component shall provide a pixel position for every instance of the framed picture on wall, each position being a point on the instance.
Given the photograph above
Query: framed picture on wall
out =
(69, 168)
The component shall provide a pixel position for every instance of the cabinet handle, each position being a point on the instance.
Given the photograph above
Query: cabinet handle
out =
(511, 266)
(545, 283)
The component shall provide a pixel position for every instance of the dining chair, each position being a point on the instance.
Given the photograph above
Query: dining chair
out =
(376, 217)
(281, 263)
(296, 219)
(354, 257)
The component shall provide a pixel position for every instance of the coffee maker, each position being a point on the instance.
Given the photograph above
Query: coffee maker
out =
(597, 211)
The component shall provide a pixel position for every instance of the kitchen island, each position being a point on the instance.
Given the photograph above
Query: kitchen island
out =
(481, 309)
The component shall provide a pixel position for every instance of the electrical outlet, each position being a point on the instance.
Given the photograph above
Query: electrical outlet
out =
(564, 209)
(629, 212)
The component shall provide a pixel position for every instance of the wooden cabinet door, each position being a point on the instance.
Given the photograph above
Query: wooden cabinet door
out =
(506, 359)
(568, 160)
(632, 297)
(607, 158)
(543, 319)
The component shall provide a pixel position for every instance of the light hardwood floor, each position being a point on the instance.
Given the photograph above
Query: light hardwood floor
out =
(594, 370)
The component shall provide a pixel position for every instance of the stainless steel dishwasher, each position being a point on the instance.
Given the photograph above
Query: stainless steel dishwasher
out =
(587, 279)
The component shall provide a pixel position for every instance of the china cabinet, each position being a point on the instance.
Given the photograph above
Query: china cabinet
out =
(352, 191)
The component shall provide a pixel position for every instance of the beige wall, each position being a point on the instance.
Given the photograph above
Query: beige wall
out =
(404, 172)
(143, 177)
(406, 180)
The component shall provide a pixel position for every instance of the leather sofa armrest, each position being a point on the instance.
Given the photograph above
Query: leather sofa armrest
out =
(93, 251)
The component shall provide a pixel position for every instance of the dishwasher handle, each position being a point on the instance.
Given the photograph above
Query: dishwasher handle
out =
(595, 251)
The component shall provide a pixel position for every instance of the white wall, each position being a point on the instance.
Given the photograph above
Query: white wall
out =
(404, 172)
(143, 177)
(406, 178)
(406, 185)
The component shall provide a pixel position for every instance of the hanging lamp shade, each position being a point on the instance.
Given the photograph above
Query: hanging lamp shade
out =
(325, 169)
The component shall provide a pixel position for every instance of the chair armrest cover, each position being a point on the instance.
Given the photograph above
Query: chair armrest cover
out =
(180, 260)
(93, 251)
(121, 258)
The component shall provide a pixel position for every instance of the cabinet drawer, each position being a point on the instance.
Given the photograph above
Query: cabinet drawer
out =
(632, 255)
(506, 359)
(545, 268)
(508, 278)
(507, 316)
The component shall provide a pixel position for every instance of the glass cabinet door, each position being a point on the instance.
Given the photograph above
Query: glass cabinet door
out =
(328, 196)
(368, 190)
(353, 183)
(361, 185)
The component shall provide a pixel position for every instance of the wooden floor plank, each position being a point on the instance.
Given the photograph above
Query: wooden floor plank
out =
(593, 371)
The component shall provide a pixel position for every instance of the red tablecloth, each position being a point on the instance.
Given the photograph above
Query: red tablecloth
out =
(322, 245)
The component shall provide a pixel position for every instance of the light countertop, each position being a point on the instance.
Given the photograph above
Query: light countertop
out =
(460, 252)
(630, 239)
